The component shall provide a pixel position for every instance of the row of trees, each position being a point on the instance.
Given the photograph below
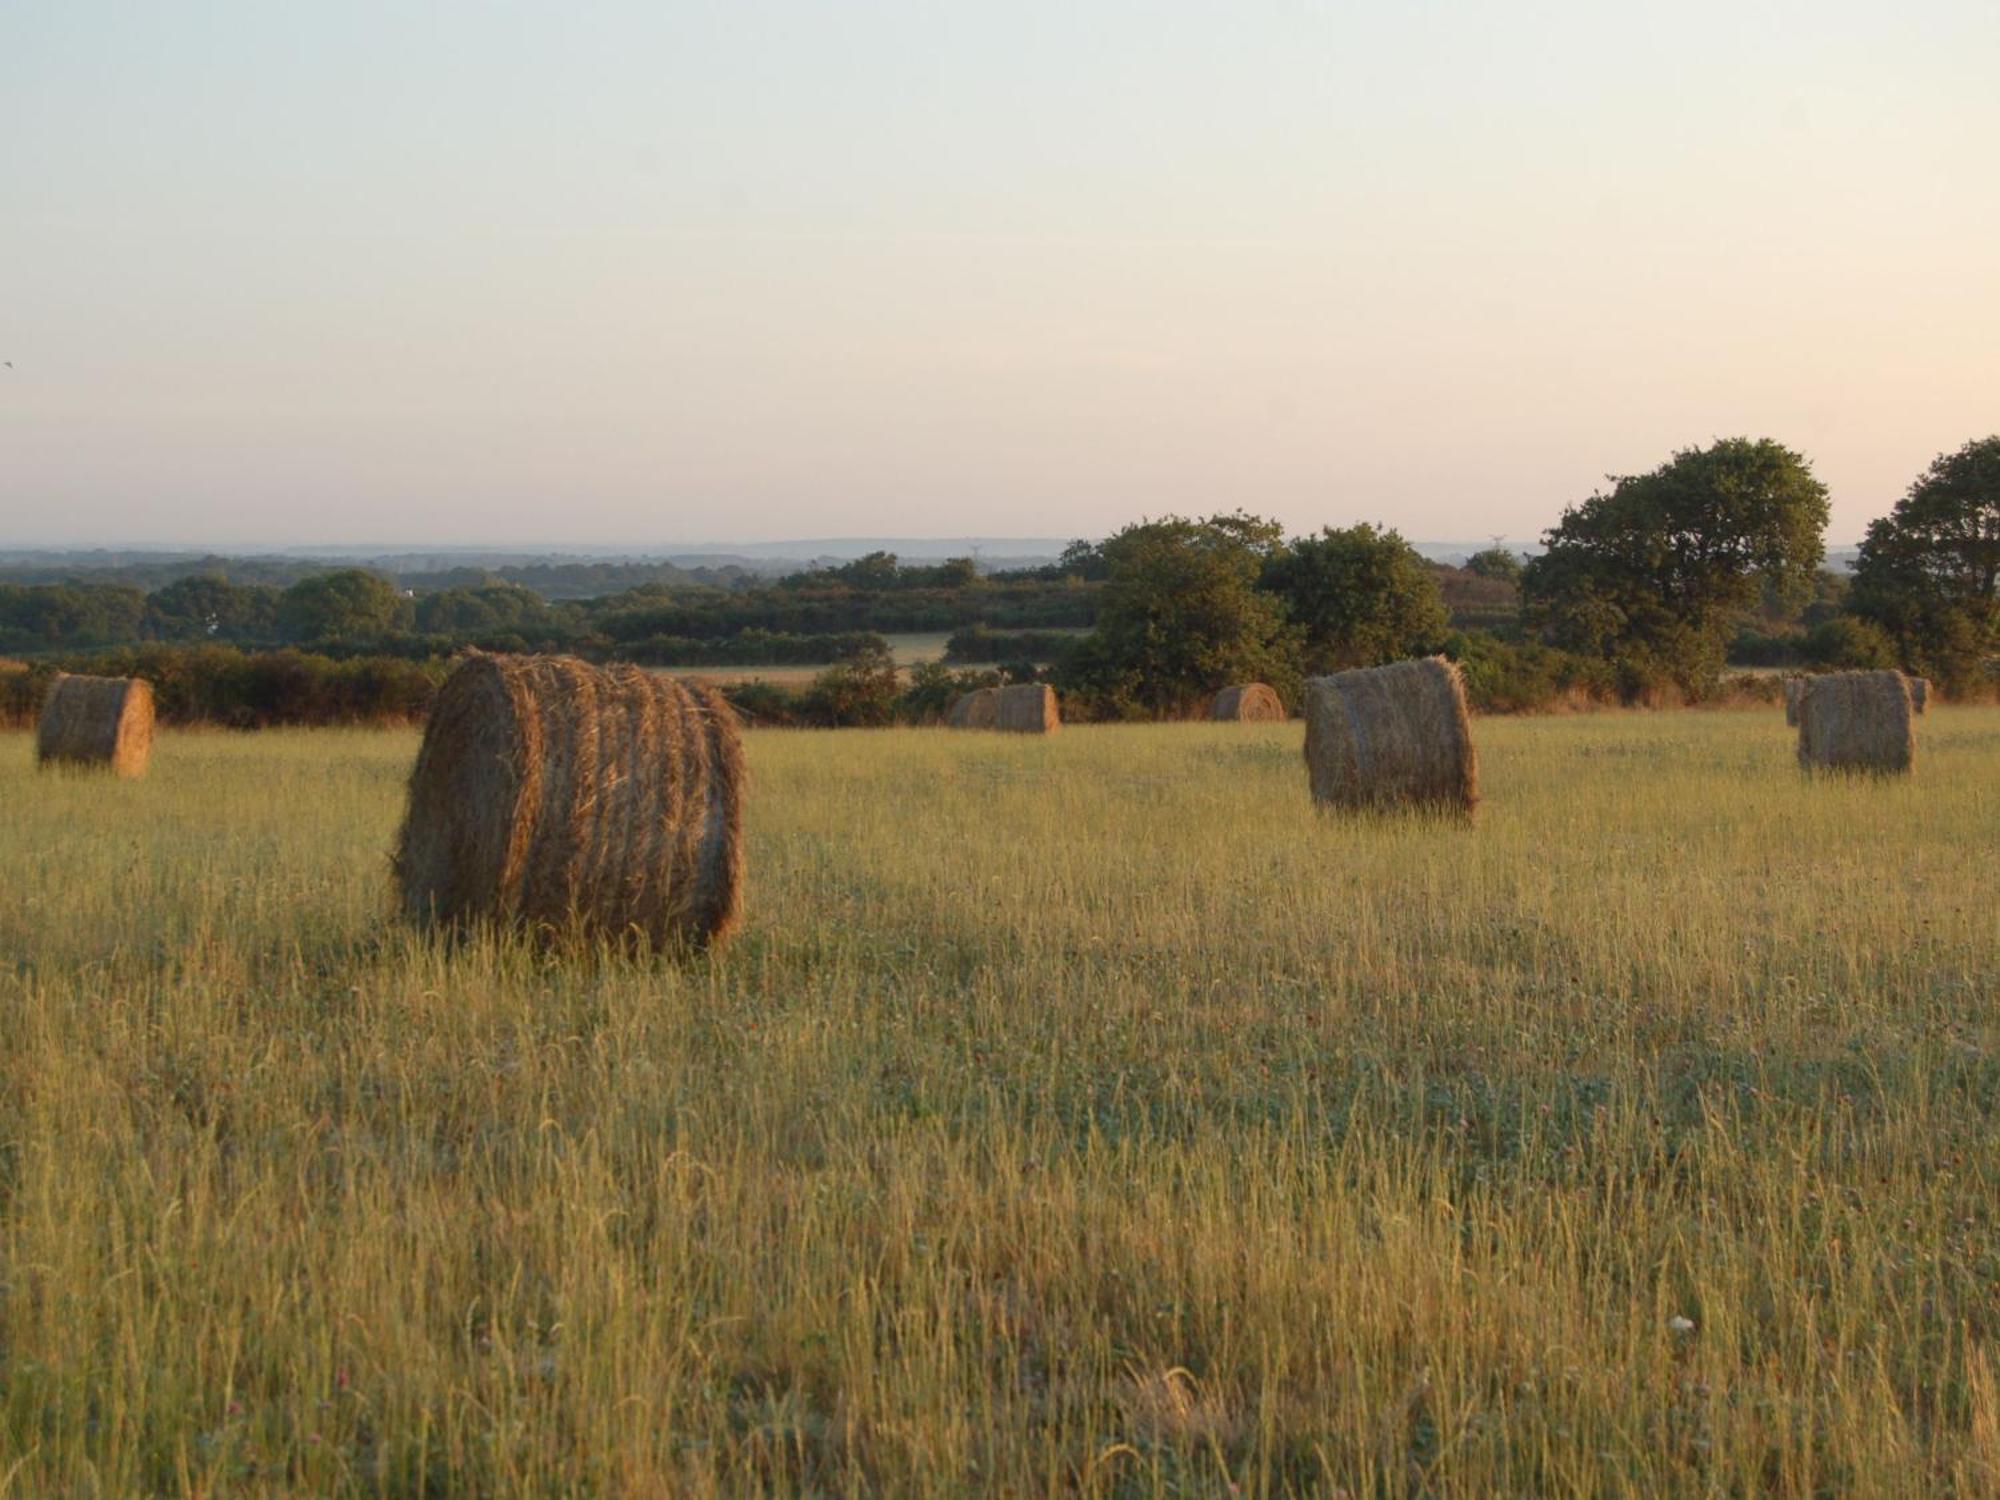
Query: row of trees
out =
(1638, 590)
(355, 608)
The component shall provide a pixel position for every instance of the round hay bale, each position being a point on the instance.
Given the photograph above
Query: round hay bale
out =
(1795, 688)
(1857, 721)
(1027, 708)
(1394, 736)
(101, 722)
(976, 709)
(576, 800)
(1247, 703)
(1920, 693)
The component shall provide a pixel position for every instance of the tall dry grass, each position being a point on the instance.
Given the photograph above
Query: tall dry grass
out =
(1641, 1140)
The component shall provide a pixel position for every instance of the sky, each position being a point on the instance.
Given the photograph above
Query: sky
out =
(637, 272)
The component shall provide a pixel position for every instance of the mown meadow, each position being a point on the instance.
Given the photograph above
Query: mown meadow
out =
(1073, 1116)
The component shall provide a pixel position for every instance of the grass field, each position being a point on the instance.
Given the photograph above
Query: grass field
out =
(1073, 1116)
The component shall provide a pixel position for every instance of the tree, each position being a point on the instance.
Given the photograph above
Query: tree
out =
(1496, 563)
(204, 605)
(1360, 597)
(859, 692)
(1651, 575)
(1928, 571)
(484, 610)
(348, 603)
(1181, 616)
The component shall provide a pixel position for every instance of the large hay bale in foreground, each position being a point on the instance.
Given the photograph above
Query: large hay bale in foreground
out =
(1857, 721)
(1247, 703)
(576, 800)
(1394, 736)
(1027, 708)
(976, 709)
(104, 722)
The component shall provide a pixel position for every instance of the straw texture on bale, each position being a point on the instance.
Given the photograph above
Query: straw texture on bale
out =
(1247, 703)
(106, 722)
(976, 709)
(1795, 688)
(1027, 708)
(570, 799)
(1394, 736)
(1857, 721)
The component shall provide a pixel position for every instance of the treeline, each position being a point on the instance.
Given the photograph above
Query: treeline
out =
(572, 578)
(354, 609)
(1642, 593)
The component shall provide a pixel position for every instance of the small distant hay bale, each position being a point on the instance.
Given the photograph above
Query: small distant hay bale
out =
(976, 709)
(1394, 736)
(1857, 721)
(1027, 708)
(100, 722)
(1795, 688)
(1920, 693)
(568, 799)
(1247, 703)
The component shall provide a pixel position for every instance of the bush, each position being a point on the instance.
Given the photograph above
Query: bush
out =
(1850, 642)
(934, 687)
(256, 690)
(859, 694)
(1505, 677)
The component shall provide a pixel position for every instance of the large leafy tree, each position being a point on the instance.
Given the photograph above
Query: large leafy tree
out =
(1929, 570)
(349, 603)
(1182, 615)
(1360, 597)
(1651, 574)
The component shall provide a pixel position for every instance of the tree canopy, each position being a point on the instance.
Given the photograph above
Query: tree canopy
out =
(1651, 574)
(347, 604)
(1182, 615)
(1929, 570)
(1360, 597)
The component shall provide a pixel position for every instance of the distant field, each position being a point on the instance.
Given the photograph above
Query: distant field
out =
(1077, 1116)
(908, 650)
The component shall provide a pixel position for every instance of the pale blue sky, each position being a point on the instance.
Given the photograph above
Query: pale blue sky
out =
(656, 272)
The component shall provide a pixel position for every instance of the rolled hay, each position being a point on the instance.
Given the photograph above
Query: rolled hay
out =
(569, 799)
(1027, 708)
(1857, 721)
(102, 722)
(976, 709)
(1795, 688)
(1247, 703)
(1920, 693)
(1394, 736)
